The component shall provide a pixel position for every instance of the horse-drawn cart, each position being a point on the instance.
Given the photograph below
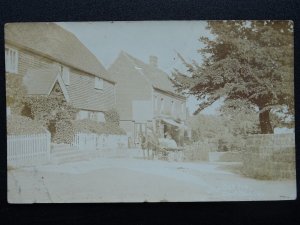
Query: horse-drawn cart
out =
(167, 149)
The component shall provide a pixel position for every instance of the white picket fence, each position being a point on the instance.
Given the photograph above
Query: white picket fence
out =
(28, 149)
(89, 141)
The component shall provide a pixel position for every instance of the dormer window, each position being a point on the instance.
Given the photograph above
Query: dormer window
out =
(11, 60)
(98, 83)
(66, 75)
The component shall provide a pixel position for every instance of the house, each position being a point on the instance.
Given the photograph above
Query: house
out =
(146, 98)
(48, 56)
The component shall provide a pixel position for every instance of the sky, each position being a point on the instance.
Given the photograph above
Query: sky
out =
(142, 39)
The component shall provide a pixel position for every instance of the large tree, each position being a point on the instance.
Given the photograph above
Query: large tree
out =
(248, 61)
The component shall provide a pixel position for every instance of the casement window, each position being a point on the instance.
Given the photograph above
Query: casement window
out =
(162, 104)
(172, 107)
(182, 107)
(82, 115)
(155, 103)
(11, 60)
(100, 117)
(92, 116)
(65, 75)
(98, 83)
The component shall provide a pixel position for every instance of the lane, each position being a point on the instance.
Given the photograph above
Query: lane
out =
(133, 180)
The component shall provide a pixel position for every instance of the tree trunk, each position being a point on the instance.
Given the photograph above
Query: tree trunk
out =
(265, 124)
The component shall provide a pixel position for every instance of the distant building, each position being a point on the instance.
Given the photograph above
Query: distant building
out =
(146, 99)
(46, 55)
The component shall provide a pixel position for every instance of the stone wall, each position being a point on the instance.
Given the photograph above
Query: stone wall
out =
(270, 156)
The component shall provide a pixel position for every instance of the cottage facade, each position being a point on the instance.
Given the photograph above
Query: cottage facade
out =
(146, 99)
(44, 54)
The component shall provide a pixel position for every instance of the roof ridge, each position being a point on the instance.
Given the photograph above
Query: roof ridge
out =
(60, 45)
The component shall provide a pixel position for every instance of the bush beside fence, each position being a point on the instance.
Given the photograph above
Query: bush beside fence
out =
(198, 151)
(270, 156)
(28, 149)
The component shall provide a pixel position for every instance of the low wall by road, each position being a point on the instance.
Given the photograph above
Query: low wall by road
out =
(270, 156)
(225, 156)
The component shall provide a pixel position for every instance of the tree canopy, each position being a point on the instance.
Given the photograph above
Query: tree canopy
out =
(248, 63)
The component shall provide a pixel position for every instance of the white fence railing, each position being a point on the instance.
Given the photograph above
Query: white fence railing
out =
(90, 141)
(28, 149)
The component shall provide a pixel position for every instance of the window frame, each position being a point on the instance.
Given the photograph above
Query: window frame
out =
(99, 83)
(172, 107)
(11, 66)
(162, 105)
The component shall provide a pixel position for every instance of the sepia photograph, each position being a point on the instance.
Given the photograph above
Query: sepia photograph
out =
(150, 111)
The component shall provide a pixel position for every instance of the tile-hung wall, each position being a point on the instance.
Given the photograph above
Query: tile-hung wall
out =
(85, 95)
(27, 60)
(85, 91)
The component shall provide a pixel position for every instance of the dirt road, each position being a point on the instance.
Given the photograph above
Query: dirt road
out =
(137, 180)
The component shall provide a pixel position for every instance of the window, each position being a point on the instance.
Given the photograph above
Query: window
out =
(65, 75)
(172, 107)
(92, 116)
(11, 60)
(162, 104)
(182, 107)
(98, 83)
(100, 117)
(82, 115)
(155, 103)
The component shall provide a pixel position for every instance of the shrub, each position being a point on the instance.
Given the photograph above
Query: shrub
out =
(54, 113)
(15, 92)
(90, 126)
(21, 125)
(112, 116)
(64, 132)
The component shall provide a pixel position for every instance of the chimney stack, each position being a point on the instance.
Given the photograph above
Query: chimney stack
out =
(153, 60)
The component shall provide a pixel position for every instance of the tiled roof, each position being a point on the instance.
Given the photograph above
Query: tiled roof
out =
(158, 79)
(52, 40)
(40, 82)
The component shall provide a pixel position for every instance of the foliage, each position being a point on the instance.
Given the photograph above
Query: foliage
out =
(198, 151)
(90, 126)
(53, 112)
(227, 132)
(112, 117)
(15, 92)
(245, 61)
(206, 127)
(21, 125)
(240, 120)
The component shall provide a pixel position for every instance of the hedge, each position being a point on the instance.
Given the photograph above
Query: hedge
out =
(90, 126)
(21, 125)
